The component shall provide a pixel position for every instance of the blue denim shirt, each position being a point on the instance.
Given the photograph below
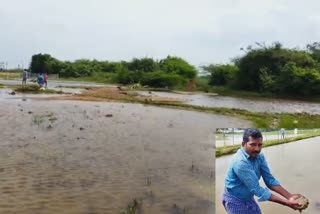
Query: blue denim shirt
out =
(242, 180)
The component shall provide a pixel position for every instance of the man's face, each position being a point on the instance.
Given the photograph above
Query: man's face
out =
(253, 146)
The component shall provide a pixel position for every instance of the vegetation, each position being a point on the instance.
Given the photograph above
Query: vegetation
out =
(133, 207)
(262, 70)
(35, 89)
(271, 70)
(171, 72)
(10, 75)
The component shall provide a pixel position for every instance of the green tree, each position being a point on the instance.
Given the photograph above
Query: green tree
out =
(314, 50)
(221, 74)
(39, 63)
(270, 60)
(298, 81)
(144, 65)
(178, 66)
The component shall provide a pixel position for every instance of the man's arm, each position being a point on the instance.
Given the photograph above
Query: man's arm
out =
(275, 186)
(292, 203)
(268, 178)
(282, 191)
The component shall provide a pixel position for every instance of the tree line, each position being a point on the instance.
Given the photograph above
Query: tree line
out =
(169, 72)
(271, 69)
(265, 69)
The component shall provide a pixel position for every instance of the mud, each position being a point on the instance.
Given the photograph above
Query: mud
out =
(98, 157)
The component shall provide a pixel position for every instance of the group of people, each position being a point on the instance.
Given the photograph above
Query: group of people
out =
(42, 79)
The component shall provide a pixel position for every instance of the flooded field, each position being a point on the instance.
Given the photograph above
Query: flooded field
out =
(293, 165)
(202, 99)
(100, 157)
(256, 105)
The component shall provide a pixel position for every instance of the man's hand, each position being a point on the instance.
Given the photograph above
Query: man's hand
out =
(294, 196)
(292, 203)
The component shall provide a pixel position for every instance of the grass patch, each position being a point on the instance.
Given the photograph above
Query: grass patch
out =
(123, 95)
(97, 77)
(133, 207)
(10, 75)
(38, 119)
(227, 150)
(34, 89)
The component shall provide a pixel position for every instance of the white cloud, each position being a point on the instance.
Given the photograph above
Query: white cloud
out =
(201, 31)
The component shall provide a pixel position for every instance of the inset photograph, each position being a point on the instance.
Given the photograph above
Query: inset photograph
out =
(267, 170)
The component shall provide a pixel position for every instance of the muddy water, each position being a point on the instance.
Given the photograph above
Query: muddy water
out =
(256, 105)
(96, 157)
(293, 165)
(250, 104)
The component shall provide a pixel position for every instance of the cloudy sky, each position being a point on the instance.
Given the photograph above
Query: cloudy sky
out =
(200, 31)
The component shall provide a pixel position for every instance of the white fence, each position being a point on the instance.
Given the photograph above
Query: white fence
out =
(227, 137)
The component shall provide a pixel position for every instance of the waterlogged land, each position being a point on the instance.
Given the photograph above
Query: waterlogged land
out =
(184, 101)
(69, 156)
(259, 105)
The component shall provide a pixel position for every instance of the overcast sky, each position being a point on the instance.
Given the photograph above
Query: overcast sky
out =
(200, 31)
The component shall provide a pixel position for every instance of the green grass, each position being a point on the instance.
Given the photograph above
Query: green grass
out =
(34, 89)
(97, 77)
(10, 75)
(202, 84)
(227, 150)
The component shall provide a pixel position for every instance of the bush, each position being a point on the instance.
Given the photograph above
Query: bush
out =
(265, 63)
(295, 80)
(221, 74)
(162, 80)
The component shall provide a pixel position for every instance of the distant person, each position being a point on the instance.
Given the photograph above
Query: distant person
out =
(40, 80)
(24, 76)
(46, 79)
(242, 180)
(282, 132)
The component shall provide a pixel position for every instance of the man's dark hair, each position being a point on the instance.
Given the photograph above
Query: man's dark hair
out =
(254, 133)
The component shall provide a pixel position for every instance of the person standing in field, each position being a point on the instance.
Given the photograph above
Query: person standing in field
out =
(40, 80)
(24, 76)
(282, 132)
(46, 79)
